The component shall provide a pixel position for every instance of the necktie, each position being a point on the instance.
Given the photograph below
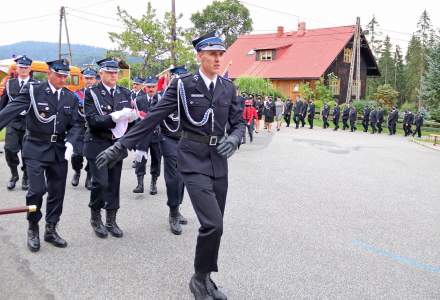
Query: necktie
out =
(211, 88)
(21, 83)
(57, 94)
(112, 91)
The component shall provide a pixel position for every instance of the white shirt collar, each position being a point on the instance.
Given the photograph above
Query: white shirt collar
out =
(54, 89)
(207, 80)
(108, 88)
(25, 80)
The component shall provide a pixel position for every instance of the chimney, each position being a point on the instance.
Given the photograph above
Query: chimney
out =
(280, 31)
(301, 29)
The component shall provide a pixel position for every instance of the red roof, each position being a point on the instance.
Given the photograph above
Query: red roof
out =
(306, 56)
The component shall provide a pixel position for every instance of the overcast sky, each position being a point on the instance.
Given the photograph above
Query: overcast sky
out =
(89, 21)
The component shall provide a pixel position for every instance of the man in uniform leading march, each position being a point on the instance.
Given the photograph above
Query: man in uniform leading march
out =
(207, 103)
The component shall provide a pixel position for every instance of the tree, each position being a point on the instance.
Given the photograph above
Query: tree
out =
(148, 37)
(431, 83)
(257, 85)
(228, 17)
(386, 63)
(375, 42)
(386, 95)
(413, 70)
(399, 74)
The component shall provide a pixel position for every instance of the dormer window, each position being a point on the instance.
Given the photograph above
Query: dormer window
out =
(265, 55)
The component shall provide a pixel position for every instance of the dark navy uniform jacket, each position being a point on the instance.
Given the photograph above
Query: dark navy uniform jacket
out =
(366, 115)
(419, 121)
(19, 122)
(336, 113)
(346, 113)
(353, 115)
(67, 119)
(98, 136)
(196, 157)
(380, 116)
(304, 107)
(311, 110)
(373, 116)
(325, 111)
(298, 107)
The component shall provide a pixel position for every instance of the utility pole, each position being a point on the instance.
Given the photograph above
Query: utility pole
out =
(355, 59)
(63, 17)
(173, 31)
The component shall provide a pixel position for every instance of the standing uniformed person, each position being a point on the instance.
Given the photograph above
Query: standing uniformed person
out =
(16, 129)
(303, 114)
(419, 123)
(139, 101)
(366, 118)
(77, 160)
(51, 113)
(373, 120)
(108, 112)
(393, 116)
(336, 114)
(408, 121)
(155, 138)
(259, 106)
(212, 127)
(353, 118)
(170, 136)
(380, 119)
(345, 116)
(311, 115)
(297, 112)
(288, 111)
(325, 113)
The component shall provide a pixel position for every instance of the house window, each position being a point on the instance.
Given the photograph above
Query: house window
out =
(335, 86)
(356, 85)
(295, 87)
(347, 55)
(265, 55)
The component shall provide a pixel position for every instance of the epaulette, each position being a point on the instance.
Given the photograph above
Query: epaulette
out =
(184, 75)
(226, 79)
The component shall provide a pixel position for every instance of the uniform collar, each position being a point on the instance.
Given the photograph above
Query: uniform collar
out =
(207, 80)
(53, 89)
(108, 88)
(25, 80)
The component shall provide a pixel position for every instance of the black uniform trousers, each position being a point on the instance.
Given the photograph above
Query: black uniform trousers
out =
(296, 119)
(365, 124)
(392, 128)
(13, 145)
(45, 177)
(303, 120)
(156, 160)
(379, 127)
(373, 127)
(344, 124)
(418, 131)
(310, 122)
(208, 197)
(325, 121)
(78, 163)
(173, 178)
(105, 186)
(336, 123)
(353, 126)
(287, 119)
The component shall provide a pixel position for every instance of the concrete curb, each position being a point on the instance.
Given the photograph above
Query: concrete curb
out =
(430, 146)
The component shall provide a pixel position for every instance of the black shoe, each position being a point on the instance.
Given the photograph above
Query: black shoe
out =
(153, 187)
(182, 219)
(213, 290)
(33, 237)
(75, 179)
(175, 226)
(140, 186)
(88, 183)
(110, 223)
(97, 225)
(51, 236)
(24, 183)
(198, 287)
(12, 182)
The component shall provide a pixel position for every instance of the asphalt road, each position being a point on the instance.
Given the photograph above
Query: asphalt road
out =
(311, 214)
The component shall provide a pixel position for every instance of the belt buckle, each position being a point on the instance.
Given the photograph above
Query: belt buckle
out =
(213, 140)
(53, 138)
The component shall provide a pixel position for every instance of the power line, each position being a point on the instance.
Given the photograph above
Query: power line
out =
(28, 19)
(92, 14)
(94, 4)
(96, 22)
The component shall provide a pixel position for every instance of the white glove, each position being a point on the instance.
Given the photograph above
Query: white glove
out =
(139, 154)
(120, 114)
(133, 116)
(69, 151)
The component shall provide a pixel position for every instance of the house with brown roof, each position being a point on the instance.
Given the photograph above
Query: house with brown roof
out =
(288, 59)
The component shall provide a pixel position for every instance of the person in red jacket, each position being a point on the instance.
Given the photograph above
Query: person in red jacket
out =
(249, 115)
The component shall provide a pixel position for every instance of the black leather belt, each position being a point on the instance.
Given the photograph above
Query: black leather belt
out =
(43, 137)
(211, 140)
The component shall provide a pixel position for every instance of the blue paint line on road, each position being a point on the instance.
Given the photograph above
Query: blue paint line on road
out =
(396, 257)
